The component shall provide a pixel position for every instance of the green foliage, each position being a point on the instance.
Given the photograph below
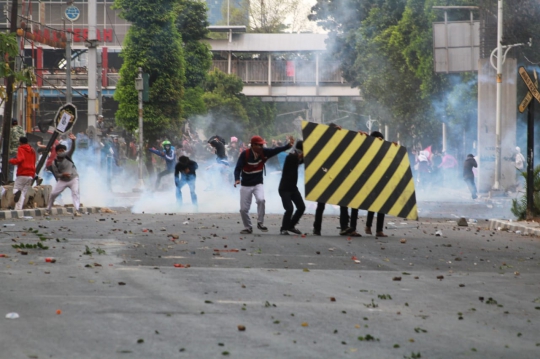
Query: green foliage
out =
(385, 49)
(198, 62)
(226, 114)
(193, 103)
(519, 206)
(192, 20)
(143, 13)
(154, 44)
(192, 23)
(261, 116)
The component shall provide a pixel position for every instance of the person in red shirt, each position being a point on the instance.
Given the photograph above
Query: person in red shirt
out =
(26, 171)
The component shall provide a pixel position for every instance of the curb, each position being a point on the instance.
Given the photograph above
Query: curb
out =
(41, 212)
(498, 224)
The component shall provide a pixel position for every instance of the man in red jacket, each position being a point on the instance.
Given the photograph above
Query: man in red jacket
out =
(26, 171)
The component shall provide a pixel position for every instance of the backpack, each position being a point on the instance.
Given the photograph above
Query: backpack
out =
(264, 159)
(67, 158)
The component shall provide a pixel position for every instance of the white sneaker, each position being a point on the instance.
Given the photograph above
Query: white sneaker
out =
(77, 214)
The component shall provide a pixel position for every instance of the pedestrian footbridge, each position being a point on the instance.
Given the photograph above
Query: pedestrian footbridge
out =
(281, 67)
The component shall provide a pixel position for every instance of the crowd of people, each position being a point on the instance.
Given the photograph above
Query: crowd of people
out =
(241, 163)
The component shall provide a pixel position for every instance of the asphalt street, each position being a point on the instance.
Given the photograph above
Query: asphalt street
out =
(173, 285)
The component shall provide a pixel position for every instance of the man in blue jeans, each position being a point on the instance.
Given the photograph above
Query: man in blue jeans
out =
(186, 168)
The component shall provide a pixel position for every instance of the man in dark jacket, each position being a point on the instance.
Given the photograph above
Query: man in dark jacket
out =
(65, 172)
(250, 167)
(218, 143)
(288, 190)
(186, 168)
(26, 170)
(468, 174)
(370, 215)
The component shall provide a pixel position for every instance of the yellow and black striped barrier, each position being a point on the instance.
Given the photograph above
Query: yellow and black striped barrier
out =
(353, 170)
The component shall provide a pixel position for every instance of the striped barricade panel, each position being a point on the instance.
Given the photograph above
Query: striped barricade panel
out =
(350, 169)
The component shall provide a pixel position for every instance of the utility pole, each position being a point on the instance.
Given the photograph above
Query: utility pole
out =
(498, 109)
(68, 67)
(6, 126)
(92, 62)
(139, 86)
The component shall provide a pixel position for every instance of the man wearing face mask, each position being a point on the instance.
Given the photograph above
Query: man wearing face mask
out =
(65, 171)
(249, 167)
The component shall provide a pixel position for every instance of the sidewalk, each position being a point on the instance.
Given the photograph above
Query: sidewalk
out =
(524, 227)
(8, 214)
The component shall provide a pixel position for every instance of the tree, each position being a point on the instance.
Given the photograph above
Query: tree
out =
(154, 44)
(385, 49)
(9, 47)
(226, 114)
(192, 23)
(268, 16)
(261, 116)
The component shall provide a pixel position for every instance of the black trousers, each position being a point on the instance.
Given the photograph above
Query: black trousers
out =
(161, 174)
(472, 186)
(380, 220)
(344, 218)
(318, 216)
(288, 198)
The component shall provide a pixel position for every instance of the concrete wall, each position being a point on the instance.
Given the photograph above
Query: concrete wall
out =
(486, 124)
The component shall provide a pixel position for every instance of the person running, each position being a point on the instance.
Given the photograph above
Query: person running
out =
(65, 172)
(249, 173)
(288, 190)
(218, 143)
(468, 174)
(169, 155)
(186, 168)
(26, 170)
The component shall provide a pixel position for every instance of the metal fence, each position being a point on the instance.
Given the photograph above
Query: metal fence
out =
(250, 71)
(256, 71)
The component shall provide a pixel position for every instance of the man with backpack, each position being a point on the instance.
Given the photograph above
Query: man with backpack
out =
(249, 173)
(65, 172)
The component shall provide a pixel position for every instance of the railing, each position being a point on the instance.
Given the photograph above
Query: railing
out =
(256, 71)
(77, 80)
(250, 71)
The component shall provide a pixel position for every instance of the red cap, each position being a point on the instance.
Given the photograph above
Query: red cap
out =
(258, 140)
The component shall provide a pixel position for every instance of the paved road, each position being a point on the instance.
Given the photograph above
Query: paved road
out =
(470, 293)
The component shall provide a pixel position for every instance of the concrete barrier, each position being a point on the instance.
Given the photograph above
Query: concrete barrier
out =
(36, 197)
